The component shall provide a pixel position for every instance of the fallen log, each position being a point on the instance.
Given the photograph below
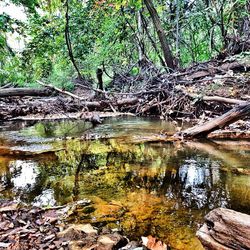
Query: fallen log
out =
(217, 123)
(222, 99)
(225, 229)
(105, 104)
(24, 92)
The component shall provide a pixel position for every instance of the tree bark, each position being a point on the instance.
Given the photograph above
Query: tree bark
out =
(217, 123)
(225, 229)
(161, 34)
(24, 92)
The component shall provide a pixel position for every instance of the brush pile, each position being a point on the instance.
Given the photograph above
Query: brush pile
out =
(192, 93)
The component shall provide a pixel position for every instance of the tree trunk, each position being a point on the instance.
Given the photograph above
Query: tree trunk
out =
(140, 44)
(225, 229)
(144, 23)
(161, 34)
(68, 41)
(24, 92)
(217, 123)
(99, 73)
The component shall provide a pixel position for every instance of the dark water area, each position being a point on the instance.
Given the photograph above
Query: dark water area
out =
(158, 188)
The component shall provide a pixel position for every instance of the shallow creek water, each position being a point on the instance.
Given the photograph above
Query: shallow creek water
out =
(158, 188)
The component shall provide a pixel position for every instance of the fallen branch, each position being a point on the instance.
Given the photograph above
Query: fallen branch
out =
(61, 91)
(6, 86)
(222, 99)
(211, 98)
(217, 123)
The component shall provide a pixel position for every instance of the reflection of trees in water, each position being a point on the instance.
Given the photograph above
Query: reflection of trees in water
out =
(110, 169)
(197, 182)
(182, 175)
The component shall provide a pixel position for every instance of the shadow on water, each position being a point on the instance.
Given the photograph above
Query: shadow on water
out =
(163, 189)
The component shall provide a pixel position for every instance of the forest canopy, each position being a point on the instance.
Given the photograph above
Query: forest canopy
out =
(71, 39)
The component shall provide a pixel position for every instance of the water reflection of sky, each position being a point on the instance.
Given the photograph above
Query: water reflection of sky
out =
(198, 183)
(24, 174)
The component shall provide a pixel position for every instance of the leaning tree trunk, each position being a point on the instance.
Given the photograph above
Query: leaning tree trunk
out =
(217, 123)
(145, 27)
(161, 34)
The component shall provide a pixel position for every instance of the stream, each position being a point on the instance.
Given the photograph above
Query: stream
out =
(162, 189)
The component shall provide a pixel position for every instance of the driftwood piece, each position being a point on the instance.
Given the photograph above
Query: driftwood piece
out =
(24, 92)
(225, 229)
(217, 123)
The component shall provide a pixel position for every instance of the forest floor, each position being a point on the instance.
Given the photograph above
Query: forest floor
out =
(26, 228)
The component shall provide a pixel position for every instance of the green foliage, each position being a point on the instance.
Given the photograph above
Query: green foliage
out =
(105, 32)
(61, 76)
(46, 43)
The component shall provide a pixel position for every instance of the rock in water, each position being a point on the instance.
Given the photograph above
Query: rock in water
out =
(95, 119)
(111, 241)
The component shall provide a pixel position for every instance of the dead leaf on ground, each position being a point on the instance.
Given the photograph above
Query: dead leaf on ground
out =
(153, 244)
